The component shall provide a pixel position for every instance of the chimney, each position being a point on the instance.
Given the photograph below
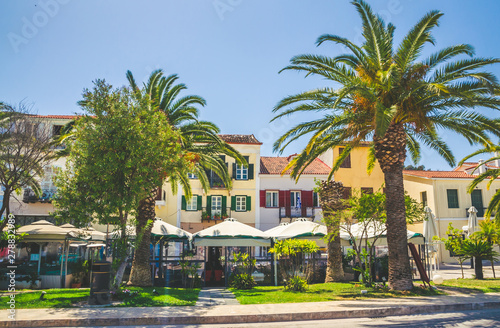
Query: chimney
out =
(497, 161)
(481, 168)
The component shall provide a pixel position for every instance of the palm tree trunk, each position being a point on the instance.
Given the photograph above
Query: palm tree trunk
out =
(140, 274)
(330, 195)
(390, 151)
(478, 267)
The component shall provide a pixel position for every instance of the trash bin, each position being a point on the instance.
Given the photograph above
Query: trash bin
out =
(99, 286)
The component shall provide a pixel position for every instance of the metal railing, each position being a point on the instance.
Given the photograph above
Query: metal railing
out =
(294, 212)
(215, 214)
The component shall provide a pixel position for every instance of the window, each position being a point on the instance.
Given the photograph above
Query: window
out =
(241, 172)
(271, 199)
(192, 204)
(192, 176)
(346, 164)
(295, 199)
(216, 205)
(423, 198)
(241, 203)
(452, 198)
(315, 199)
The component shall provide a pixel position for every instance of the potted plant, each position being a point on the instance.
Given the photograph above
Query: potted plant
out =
(224, 215)
(205, 215)
(216, 216)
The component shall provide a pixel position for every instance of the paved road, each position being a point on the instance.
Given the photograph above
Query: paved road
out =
(485, 318)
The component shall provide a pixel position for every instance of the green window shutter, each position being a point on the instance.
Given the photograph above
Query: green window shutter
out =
(233, 203)
(198, 203)
(250, 172)
(224, 203)
(183, 203)
(209, 204)
(452, 198)
(234, 171)
(249, 203)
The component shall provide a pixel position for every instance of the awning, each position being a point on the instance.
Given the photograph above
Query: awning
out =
(230, 232)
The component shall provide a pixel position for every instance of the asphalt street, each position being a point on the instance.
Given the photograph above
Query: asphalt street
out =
(467, 319)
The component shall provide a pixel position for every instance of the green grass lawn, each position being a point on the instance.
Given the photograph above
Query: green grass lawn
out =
(481, 286)
(321, 293)
(64, 298)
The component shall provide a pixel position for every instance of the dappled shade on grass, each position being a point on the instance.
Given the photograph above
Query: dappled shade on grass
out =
(64, 298)
(321, 293)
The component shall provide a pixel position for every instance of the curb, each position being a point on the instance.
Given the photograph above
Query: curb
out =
(254, 318)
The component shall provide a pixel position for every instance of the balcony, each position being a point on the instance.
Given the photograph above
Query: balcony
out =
(215, 181)
(294, 212)
(29, 196)
(213, 214)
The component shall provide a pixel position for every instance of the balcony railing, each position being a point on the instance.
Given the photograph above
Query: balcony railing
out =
(294, 212)
(215, 214)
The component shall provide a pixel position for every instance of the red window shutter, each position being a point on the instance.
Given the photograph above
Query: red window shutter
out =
(281, 198)
(286, 203)
(159, 194)
(262, 198)
(306, 201)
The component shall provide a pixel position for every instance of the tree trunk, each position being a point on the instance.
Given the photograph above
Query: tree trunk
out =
(390, 151)
(140, 274)
(478, 267)
(119, 275)
(331, 202)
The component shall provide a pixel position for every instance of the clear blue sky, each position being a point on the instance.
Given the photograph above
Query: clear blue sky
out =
(227, 51)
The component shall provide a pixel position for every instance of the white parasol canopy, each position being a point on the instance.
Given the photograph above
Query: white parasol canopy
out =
(472, 221)
(161, 228)
(230, 232)
(430, 228)
(44, 231)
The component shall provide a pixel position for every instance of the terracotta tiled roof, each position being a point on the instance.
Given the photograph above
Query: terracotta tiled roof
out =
(275, 165)
(65, 117)
(240, 139)
(439, 174)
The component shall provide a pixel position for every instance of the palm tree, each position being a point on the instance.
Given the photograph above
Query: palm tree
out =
(489, 233)
(199, 139)
(489, 174)
(332, 203)
(477, 249)
(390, 97)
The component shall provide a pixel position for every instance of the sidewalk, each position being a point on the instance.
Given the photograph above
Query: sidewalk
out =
(216, 306)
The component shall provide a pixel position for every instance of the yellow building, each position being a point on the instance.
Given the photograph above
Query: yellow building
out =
(353, 171)
(206, 209)
(445, 192)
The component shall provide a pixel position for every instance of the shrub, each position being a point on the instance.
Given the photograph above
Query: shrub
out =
(242, 281)
(296, 284)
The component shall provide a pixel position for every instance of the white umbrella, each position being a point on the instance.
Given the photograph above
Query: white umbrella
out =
(278, 229)
(430, 228)
(230, 232)
(472, 222)
(44, 231)
(161, 228)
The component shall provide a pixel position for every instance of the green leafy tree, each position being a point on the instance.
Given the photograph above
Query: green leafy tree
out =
(198, 139)
(386, 94)
(293, 251)
(367, 212)
(121, 150)
(454, 244)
